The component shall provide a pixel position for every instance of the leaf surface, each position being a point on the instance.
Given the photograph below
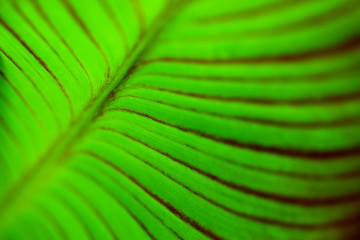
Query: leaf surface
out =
(164, 119)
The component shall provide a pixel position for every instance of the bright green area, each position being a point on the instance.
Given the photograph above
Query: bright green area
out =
(170, 119)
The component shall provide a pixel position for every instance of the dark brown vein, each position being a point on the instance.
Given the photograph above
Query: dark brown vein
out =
(299, 175)
(117, 182)
(41, 62)
(36, 30)
(310, 78)
(348, 46)
(352, 220)
(277, 7)
(172, 209)
(313, 155)
(354, 120)
(295, 200)
(58, 150)
(338, 12)
(213, 202)
(45, 18)
(36, 89)
(112, 195)
(332, 99)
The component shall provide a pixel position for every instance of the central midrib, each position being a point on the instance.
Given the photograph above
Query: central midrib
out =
(36, 177)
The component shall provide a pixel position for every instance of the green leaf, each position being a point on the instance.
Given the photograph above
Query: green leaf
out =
(165, 119)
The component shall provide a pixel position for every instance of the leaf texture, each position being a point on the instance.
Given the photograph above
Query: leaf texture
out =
(164, 119)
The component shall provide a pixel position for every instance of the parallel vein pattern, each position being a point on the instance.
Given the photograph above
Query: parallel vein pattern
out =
(166, 119)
